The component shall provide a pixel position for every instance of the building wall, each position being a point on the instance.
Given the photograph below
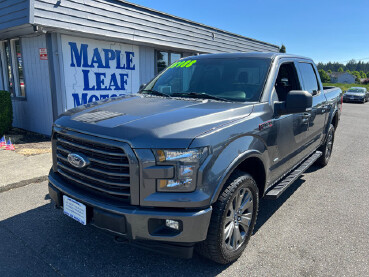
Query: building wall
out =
(35, 112)
(98, 74)
(147, 64)
(125, 21)
(13, 13)
(346, 79)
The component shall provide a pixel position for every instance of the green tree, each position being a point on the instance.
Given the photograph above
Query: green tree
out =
(362, 74)
(340, 69)
(348, 71)
(282, 49)
(329, 71)
(324, 76)
(357, 75)
(351, 65)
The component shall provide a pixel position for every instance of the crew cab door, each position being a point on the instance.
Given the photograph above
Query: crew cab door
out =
(290, 129)
(316, 117)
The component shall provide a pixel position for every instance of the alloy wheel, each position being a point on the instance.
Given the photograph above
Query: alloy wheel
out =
(328, 149)
(238, 219)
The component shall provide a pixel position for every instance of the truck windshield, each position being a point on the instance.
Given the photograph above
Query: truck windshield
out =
(358, 90)
(224, 79)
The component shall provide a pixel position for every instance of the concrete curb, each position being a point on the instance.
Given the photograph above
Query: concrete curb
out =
(20, 170)
(23, 183)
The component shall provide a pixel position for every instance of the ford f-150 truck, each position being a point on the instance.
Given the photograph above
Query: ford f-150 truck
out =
(182, 164)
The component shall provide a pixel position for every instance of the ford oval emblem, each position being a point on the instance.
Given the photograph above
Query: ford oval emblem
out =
(77, 160)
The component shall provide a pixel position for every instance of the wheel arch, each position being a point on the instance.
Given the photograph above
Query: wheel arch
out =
(335, 119)
(250, 162)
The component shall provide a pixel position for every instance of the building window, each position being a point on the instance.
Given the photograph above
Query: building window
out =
(13, 68)
(2, 86)
(164, 59)
(174, 57)
(19, 68)
(8, 68)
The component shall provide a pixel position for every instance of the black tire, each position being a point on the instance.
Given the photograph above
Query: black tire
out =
(225, 247)
(327, 147)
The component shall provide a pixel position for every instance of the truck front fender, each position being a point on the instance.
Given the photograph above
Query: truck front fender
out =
(226, 158)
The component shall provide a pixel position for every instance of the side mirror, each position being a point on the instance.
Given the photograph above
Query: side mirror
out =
(142, 86)
(297, 101)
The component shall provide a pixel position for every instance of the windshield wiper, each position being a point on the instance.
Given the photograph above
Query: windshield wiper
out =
(199, 95)
(155, 92)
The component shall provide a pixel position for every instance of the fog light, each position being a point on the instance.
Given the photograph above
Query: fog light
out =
(165, 185)
(173, 224)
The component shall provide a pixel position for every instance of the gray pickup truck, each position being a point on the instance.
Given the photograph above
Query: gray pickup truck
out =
(182, 164)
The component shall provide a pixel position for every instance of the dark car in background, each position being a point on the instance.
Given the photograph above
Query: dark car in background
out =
(356, 94)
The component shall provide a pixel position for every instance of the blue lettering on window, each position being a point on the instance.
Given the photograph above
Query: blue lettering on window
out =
(118, 56)
(86, 81)
(96, 58)
(114, 83)
(109, 55)
(129, 60)
(95, 82)
(79, 56)
(93, 98)
(100, 81)
(123, 80)
(79, 101)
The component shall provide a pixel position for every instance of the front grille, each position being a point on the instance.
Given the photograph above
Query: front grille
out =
(107, 173)
(354, 97)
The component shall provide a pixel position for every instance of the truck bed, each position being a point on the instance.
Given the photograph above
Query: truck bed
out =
(332, 93)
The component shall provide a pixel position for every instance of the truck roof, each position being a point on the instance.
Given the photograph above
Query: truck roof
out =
(265, 55)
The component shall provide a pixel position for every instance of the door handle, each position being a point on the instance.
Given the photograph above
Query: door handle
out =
(305, 117)
(324, 108)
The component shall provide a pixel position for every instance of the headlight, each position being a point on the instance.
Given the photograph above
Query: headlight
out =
(190, 156)
(186, 164)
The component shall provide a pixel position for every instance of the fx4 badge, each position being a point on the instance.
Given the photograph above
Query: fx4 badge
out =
(265, 125)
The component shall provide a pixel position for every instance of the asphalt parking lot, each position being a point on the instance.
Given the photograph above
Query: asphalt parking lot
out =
(319, 227)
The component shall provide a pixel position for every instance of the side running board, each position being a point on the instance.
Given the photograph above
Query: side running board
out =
(280, 187)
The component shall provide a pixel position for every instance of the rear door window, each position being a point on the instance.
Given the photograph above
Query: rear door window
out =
(309, 79)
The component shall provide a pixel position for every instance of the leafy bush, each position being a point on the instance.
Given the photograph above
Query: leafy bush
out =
(324, 76)
(6, 112)
(357, 75)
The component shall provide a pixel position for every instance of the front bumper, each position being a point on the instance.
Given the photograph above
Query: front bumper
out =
(133, 222)
(355, 99)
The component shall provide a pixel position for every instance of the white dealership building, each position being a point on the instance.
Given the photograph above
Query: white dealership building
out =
(59, 54)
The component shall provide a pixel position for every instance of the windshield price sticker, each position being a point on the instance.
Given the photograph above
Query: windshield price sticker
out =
(187, 63)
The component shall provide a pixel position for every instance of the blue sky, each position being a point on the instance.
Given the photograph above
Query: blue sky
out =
(323, 30)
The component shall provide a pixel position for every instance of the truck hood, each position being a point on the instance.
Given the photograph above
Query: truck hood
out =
(153, 122)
